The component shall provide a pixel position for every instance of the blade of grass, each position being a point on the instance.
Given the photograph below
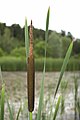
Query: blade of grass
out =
(66, 60)
(26, 39)
(10, 111)
(47, 26)
(75, 95)
(2, 101)
(43, 76)
(17, 118)
(57, 108)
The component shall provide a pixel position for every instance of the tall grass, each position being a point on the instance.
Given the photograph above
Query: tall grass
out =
(2, 101)
(43, 76)
(75, 95)
(52, 64)
(3, 98)
(66, 60)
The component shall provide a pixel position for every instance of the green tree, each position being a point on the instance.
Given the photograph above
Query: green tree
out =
(55, 45)
(18, 52)
(17, 31)
(2, 27)
(1, 52)
(76, 47)
(39, 49)
(65, 44)
(7, 42)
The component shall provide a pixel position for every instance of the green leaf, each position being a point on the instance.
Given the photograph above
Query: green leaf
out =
(10, 111)
(26, 39)
(2, 101)
(47, 25)
(18, 113)
(47, 19)
(57, 108)
(43, 76)
(66, 60)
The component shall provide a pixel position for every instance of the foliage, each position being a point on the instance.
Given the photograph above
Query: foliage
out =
(14, 37)
(76, 47)
(1, 52)
(65, 44)
(39, 48)
(18, 52)
(55, 45)
(7, 43)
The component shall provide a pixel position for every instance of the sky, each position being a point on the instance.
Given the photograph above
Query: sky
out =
(64, 14)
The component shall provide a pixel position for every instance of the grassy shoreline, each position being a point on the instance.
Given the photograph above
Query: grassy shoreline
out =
(9, 63)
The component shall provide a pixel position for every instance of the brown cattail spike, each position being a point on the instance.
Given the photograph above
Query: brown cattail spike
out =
(31, 39)
(31, 73)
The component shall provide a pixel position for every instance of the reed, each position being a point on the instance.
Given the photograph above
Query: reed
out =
(63, 68)
(75, 96)
(40, 106)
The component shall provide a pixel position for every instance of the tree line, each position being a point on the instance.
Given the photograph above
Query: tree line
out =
(12, 41)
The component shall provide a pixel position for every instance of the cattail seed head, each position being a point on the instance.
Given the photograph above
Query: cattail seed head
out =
(31, 73)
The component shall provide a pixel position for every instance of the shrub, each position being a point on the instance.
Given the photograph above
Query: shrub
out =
(1, 52)
(18, 52)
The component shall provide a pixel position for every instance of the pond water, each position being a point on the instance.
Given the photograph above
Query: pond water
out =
(16, 90)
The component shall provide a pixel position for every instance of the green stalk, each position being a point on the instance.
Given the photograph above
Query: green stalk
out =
(19, 111)
(10, 111)
(66, 60)
(75, 95)
(2, 101)
(57, 108)
(26, 39)
(43, 76)
(30, 115)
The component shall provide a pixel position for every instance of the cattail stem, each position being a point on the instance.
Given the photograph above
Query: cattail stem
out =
(31, 73)
(30, 115)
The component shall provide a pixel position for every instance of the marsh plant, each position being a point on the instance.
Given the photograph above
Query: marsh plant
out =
(31, 70)
(63, 87)
(78, 106)
(31, 79)
(76, 98)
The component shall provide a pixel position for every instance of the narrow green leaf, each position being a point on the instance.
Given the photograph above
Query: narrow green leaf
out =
(17, 118)
(66, 60)
(57, 108)
(43, 76)
(10, 111)
(78, 105)
(41, 96)
(2, 101)
(47, 20)
(47, 25)
(26, 39)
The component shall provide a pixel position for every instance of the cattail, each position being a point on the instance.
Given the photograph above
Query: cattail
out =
(31, 73)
